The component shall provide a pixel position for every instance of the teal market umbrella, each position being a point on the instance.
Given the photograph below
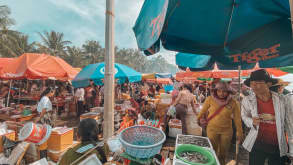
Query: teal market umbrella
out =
(235, 32)
(96, 73)
(197, 62)
(288, 69)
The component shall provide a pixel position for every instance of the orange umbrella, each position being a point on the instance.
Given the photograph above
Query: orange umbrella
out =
(186, 77)
(38, 66)
(216, 73)
(272, 71)
(5, 61)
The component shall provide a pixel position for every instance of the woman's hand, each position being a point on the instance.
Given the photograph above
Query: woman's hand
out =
(37, 120)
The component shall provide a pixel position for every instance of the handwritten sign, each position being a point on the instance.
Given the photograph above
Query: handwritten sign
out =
(256, 55)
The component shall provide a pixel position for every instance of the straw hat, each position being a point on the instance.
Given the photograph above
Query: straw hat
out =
(281, 83)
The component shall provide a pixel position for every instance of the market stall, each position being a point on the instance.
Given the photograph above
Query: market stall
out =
(38, 67)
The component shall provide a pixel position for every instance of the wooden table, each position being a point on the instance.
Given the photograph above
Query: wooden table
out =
(7, 117)
(26, 100)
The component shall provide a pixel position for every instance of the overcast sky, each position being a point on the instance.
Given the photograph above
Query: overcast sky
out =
(79, 20)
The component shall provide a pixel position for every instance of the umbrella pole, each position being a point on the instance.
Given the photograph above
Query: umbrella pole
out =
(9, 93)
(239, 82)
(27, 85)
(206, 89)
(18, 101)
(239, 100)
(108, 130)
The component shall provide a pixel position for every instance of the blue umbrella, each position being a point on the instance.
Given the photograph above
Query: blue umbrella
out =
(96, 72)
(240, 32)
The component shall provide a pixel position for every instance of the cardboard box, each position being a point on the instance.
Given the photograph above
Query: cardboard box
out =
(60, 139)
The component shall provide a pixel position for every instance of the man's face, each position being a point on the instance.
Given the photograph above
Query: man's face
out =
(259, 87)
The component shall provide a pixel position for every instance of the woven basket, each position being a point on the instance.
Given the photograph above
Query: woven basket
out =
(142, 141)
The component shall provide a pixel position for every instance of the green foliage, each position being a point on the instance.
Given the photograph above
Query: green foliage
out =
(53, 43)
(5, 20)
(14, 43)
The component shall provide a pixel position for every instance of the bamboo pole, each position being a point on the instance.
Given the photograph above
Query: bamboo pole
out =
(108, 130)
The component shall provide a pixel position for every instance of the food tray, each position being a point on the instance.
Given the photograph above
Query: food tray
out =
(180, 162)
(207, 146)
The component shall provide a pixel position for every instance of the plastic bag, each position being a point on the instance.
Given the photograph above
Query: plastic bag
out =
(3, 128)
(114, 144)
(171, 111)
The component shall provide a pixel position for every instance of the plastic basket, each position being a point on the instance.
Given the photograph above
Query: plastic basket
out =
(190, 147)
(142, 141)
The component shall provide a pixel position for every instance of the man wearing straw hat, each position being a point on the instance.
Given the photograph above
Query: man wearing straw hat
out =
(269, 116)
(280, 87)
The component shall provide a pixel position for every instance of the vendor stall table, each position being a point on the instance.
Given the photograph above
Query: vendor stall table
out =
(26, 100)
(16, 118)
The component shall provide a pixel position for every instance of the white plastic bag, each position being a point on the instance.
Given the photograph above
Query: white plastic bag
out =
(171, 111)
(114, 144)
(3, 128)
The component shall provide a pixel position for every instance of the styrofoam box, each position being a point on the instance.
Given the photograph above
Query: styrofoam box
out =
(211, 148)
(174, 132)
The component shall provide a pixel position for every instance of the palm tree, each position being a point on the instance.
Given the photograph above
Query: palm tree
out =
(53, 43)
(7, 36)
(5, 20)
(22, 45)
(94, 51)
(7, 40)
(13, 44)
(75, 56)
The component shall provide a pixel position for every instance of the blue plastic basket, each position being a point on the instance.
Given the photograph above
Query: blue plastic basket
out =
(142, 141)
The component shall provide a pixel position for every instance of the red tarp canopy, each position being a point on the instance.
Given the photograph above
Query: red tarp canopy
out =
(38, 66)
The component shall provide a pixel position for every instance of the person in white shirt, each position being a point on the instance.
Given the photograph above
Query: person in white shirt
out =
(269, 116)
(79, 96)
